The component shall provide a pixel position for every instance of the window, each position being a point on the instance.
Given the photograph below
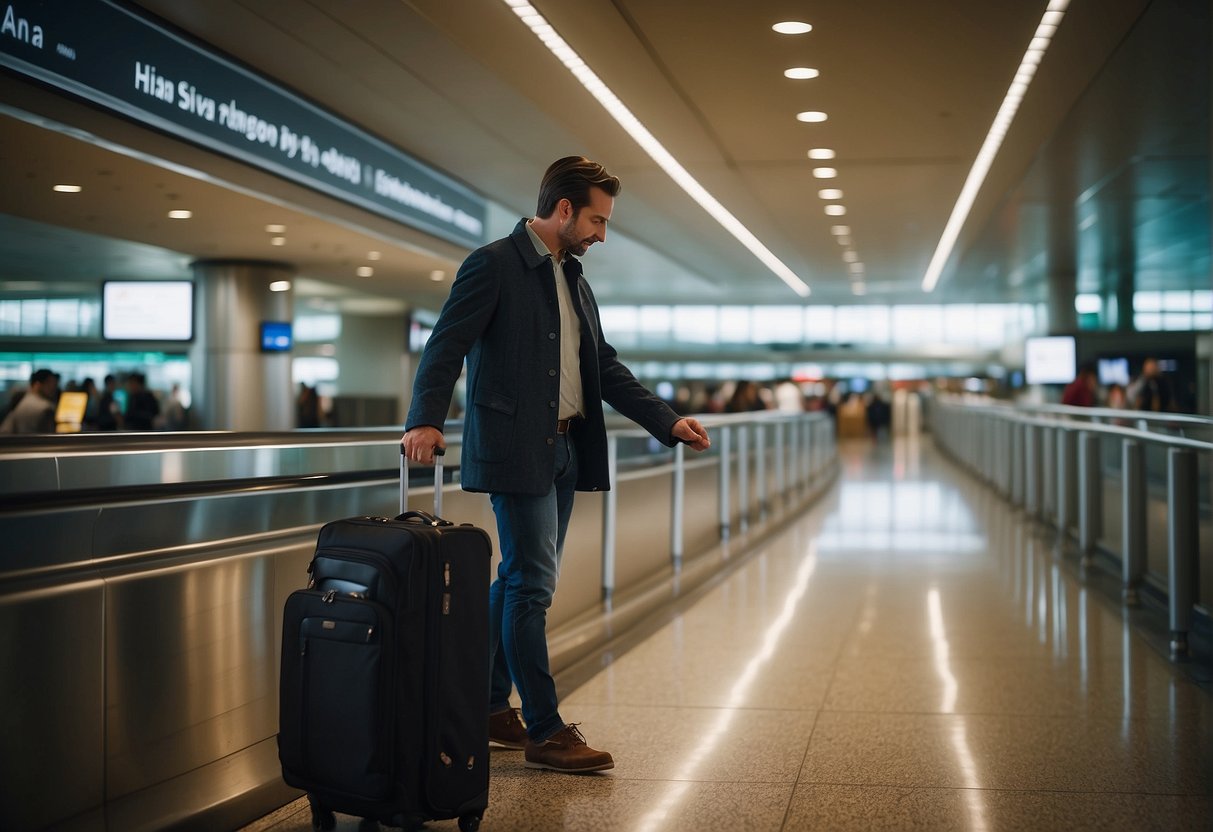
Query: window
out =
(819, 324)
(778, 325)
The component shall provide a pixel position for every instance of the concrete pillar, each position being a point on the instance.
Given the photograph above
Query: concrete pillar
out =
(374, 365)
(1063, 286)
(235, 385)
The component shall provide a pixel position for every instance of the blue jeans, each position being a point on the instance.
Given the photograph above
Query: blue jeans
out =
(531, 530)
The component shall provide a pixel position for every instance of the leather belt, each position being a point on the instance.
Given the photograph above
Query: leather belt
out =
(563, 425)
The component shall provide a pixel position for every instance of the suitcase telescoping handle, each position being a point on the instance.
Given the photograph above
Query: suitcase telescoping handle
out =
(404, 481)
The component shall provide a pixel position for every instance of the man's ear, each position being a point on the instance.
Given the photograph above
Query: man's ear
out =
(564, 209)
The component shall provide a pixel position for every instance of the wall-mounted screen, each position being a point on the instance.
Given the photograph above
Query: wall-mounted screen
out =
(275, 336)
(1049, 360)
(147, 310)
(1114, 371)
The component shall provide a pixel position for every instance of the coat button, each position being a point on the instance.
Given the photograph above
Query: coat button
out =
(551, 441)
(551, 336)
(551, 372)
(551, 404)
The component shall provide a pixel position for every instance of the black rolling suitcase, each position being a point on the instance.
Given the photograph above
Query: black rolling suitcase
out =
(383, 698)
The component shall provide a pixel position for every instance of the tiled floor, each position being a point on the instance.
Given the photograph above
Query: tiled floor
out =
(909, 655)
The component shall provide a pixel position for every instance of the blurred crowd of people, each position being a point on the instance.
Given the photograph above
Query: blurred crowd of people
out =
(872, 407)
(1149, 390)
(121, 403)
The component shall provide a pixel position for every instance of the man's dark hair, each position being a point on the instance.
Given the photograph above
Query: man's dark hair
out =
(40, 376)
(571, 178)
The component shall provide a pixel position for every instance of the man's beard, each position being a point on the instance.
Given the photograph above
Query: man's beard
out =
(569, 240)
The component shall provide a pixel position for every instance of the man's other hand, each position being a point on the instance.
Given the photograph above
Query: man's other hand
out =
(420, 442)
(690, 432)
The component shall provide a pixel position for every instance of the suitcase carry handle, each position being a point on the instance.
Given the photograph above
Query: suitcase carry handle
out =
(404, 483)
(424, 517)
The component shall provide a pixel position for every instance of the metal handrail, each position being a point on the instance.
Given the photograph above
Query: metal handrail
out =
(1050, 467)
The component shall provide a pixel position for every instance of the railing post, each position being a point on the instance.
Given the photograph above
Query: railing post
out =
(1133, 518)
(1182, 543)
(781, 485)
(725, 490)
(760, 465)
(1031, 485)
(677, 500)
(793, 450)
(1089, 495)
(1006, 458)
(1048, 474)
(1067, 480)
(743, 477)
(609, 516)
(1017, 463)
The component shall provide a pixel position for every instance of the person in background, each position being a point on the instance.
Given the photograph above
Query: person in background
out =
(109, 413)
(176, 416)
(307, 407)
(141, 405)
(89, 388)
(1116, 397)
(1081, 391)
(1150, 390)
(35, 413)
(745, 399)
(538, 370)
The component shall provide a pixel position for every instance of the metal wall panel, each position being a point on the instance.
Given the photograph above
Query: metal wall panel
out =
(53, 715)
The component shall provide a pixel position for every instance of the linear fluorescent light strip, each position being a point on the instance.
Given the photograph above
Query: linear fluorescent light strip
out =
(573, 62)
(1054, 12)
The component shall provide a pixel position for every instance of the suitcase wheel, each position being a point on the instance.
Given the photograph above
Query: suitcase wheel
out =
(322, 818)
(469, 823)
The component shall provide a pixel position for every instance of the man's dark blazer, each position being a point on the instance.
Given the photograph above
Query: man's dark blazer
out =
(502, 314)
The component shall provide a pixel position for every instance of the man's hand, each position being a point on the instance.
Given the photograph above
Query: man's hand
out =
(420, 442)
(692, 433)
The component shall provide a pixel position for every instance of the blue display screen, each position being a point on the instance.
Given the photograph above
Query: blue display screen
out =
(275, 336)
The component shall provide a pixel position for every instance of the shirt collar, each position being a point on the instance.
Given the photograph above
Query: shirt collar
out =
(540, 246)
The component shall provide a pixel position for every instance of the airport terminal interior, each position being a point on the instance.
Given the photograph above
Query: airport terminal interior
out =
(936, 277)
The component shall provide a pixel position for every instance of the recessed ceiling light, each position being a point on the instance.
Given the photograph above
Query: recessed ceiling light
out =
(843, 240)
(792, 27)
(830, 193)
(850, 256)
(1049, 22)
(837, 230)
(821, 153)
(800, 73)
(825, 173)
(836, 210)
(859, 289)
(276, 229)
(373, 255)
(856, 268)
(365, 271)
(811, 116)
(180, 215)
(68, 189)
(579, 69)
(437, 275)
(277, 241)
(280, 286)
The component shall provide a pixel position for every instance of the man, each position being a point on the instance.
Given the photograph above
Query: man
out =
(35, 413)
(1081, 391)
(538, 372)
(1150, 390)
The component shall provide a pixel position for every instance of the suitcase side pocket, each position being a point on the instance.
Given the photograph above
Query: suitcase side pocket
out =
(337, 719)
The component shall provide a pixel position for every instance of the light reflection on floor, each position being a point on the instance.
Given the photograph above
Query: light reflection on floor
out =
(910, 654)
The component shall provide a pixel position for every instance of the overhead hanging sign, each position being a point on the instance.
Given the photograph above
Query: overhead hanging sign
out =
(126, 61)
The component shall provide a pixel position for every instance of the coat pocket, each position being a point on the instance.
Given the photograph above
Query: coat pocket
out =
(492, 432)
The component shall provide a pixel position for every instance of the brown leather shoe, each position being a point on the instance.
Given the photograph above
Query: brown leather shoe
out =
(566, 751)
(506, 729)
